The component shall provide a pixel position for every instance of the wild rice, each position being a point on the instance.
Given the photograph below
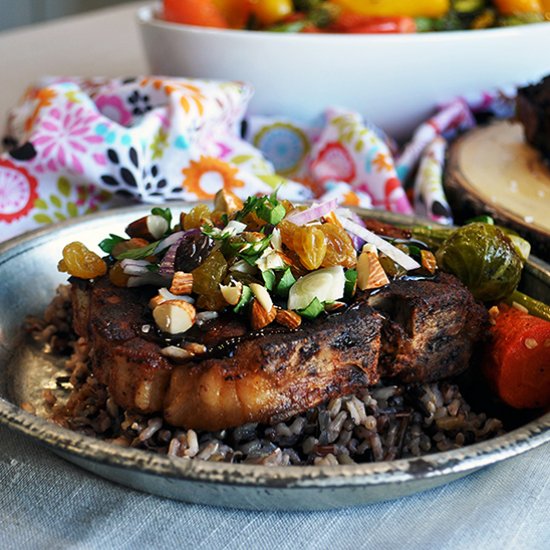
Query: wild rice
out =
(381, 423)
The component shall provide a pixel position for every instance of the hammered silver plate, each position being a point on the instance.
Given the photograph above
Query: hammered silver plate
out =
(29, 277)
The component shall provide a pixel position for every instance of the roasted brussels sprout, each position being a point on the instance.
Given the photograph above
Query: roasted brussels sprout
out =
(484, 259)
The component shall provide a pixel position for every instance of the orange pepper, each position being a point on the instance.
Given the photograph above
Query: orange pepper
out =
(391, 8)
(235, 12)
(511, 7)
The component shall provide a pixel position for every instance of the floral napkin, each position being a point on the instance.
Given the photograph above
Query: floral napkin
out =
(74, 146)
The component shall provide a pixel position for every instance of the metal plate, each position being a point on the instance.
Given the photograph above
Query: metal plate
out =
(29, 278)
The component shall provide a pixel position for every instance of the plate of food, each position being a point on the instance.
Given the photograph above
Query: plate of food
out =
(266, 355)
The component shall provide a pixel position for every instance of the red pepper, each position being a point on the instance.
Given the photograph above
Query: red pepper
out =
(353, 23)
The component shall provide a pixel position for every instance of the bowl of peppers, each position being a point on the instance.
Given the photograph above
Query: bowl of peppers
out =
(390, 60)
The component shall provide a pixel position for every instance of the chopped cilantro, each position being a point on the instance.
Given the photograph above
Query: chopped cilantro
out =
(246, 297)
(253, 252)
(284, 284)
(313, 310)
(349, 286)
(269, 278)
(267, 208)
(109, 243)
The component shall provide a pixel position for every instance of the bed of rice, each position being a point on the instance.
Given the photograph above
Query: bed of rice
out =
(381, 423)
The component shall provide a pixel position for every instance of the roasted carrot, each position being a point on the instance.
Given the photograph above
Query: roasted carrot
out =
(203, 13)
(517, 359)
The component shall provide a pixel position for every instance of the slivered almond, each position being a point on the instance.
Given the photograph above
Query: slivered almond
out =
(370, 273)
(287, 318)
(176, 353)
(182, 283)
(262, 295)
(260, 318)
(195, 348)
(232, 293)
(428, 261)
(226, 201)
(156, 301)
(174, 316)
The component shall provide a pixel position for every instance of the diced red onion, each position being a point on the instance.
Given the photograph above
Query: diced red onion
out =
(388, 249)
(169, 241)
(313, 212)
(166, 267)
(135, 267)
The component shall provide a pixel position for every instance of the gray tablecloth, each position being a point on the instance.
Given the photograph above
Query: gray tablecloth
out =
(48, 503)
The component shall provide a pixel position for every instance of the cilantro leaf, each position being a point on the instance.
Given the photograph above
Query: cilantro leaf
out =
(109, 243)
(351, 281)
(269, 278)
(313, 310)
(267, 208)
(284, 284)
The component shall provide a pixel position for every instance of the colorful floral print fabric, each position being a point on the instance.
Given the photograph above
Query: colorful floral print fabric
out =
(74, 146)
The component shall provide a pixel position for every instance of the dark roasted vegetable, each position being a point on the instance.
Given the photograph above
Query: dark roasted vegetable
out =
(484, 259)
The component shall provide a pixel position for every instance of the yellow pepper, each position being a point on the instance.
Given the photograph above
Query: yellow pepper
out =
(270, 12)
(390, 8)
(511, 7)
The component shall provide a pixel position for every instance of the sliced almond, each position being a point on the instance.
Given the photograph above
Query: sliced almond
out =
(226, 201)
(174, 316)
(287, 318)
(232, 293)
(195, 348)
(260, 318)
(155, 301)
(370, 273)
(262, 295)
(182, 283)
(176, 353)
(151, 227)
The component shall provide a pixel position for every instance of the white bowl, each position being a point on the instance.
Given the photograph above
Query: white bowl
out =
(395, 81)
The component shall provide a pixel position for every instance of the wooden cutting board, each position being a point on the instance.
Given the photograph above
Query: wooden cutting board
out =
(491, 170)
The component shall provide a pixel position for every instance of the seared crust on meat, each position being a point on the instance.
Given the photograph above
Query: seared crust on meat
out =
(430, 328)
(276, 375)
(409, 331)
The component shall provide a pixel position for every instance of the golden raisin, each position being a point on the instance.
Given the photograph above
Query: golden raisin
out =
(208, 276)
(117, 275)
(81, 262)
(287, 230)
(197, 217)
(340, 249)
(311, 246)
